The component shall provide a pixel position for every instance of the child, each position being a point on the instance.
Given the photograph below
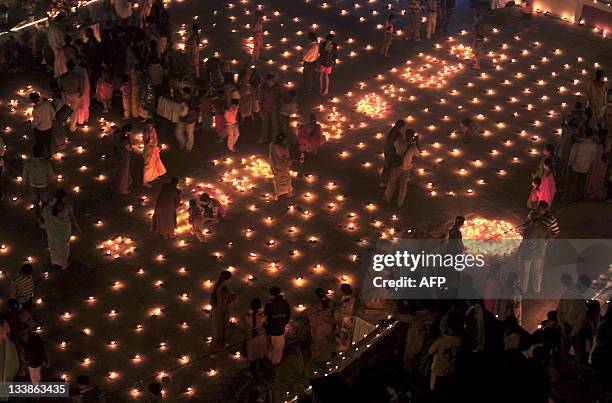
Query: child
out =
(104, 90)
(126, 95)
(287, 110)
(327, 60)
(389, 34)
(219, 118)
(196, 219)
(534, 196)
(212, 209)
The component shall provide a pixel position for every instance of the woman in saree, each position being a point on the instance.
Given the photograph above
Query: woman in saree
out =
(153, 165)
(310, 137)
(257, 37)
(60, 221)
(164, 215)
(122, 149)
(321, 327)
(83, 115)
(595, 93)
(220, 300)
(598, 172)
(280, 163)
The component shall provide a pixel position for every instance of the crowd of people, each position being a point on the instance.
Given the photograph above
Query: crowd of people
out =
(331, 323)
(128, 63)
(471, 349)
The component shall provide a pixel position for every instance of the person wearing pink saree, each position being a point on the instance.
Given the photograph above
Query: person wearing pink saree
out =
(83, 115)
(598, 172)
(548, 187)
(310, 137)
(153, 165)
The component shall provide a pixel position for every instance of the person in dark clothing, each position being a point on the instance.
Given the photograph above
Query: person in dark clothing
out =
(455, 239)
(87, 392)
(392, 159)
(278, 314)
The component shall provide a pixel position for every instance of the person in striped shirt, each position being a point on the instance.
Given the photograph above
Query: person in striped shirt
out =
(548, 219)
(22, 286)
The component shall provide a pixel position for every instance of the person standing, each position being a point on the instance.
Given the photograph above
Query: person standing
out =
(288, 110)
(22, 286)
(407, 148)
(2, 152)
(478, 39)
(60, 221)
(309, 61)
(248, 96)
(220, 300)
(278, 314)
(280, 164)
(257, 36)
(391, 159)
(310, 137)
(71, 83)
(56, 36)
(164, 215)
(321, 327)
(572, 316)
(257, 340)
(153, 165)
(35, 356)
(328, 53)
(596, 93)
(122, 150)
(598, 172)
(432, 17)
(548, 153)
(343, 316)
(230, 118)
(389, 34)
(37, 175)
(531, 254)
(534, 194)
(582, 155)
(446, 12)
(444, 351)
(548, 187)
(414, 21)
(8, 354)
(269, 101)
(188, 118)
(454, 239)
(43, 115)
(83, 70)
(193, 47)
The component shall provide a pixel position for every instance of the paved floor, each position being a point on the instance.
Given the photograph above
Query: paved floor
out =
(144, 300)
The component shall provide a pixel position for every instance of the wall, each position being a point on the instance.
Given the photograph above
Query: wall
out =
(567, 9)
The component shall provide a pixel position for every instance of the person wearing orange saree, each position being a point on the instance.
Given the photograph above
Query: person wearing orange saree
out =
(153, 165)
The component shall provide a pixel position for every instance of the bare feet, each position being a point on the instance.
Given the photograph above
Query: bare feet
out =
(146, 184)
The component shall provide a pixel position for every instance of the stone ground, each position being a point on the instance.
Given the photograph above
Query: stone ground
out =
(144, 300)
